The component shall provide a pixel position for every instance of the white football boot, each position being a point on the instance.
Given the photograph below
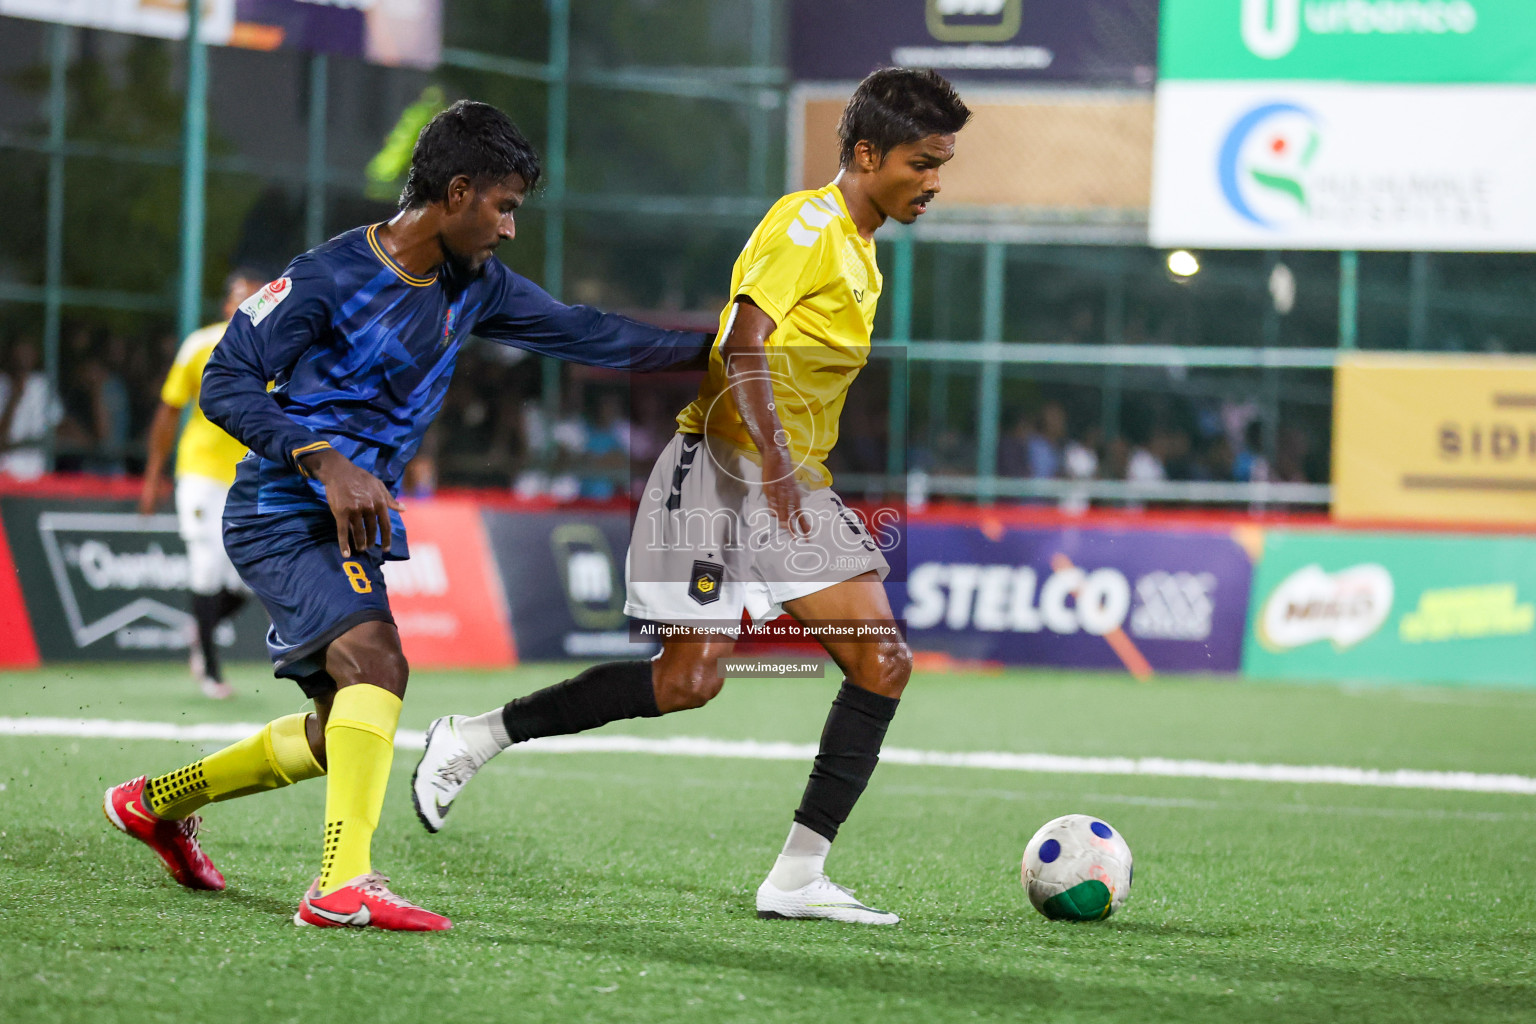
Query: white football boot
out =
(445, 766)
(821, 898)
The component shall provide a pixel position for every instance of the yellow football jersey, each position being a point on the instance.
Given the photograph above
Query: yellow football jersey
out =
(204, 449)
(808, 268)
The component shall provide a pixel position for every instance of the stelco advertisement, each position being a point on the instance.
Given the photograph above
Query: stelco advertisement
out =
(1353, 124)
(1142, 601)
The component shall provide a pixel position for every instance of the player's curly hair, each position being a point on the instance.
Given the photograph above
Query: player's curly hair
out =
(469, 138)
(895, 106)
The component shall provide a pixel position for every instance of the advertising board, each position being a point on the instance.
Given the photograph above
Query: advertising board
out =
(1439, 41)
(1393, 607)
(1103, 42)
(18, 649)
(396, 32)
(1144, 601)
(101, 581)
(1367, 124)
(447, 598)
(564, 579)
(1443, 439)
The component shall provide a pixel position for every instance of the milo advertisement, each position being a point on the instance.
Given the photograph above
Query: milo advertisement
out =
(1380, 607)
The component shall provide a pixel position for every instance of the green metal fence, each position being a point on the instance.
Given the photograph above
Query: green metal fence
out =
(963, 299)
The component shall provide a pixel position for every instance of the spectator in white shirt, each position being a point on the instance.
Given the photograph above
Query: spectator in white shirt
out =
(29, 410)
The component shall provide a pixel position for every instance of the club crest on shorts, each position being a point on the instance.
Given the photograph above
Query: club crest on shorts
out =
(704, 582)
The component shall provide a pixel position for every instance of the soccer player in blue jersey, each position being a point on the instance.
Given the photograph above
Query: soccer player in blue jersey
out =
(360, 337)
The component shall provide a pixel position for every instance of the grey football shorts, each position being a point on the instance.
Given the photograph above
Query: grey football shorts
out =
(706, 545)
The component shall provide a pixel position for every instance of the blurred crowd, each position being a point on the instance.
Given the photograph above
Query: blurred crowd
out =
(1222, 442)
(497, 431)
(109, 388)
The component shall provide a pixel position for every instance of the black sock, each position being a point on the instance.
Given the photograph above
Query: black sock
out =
(603, 693)
(230, 602)
(205, 609)
(850, 749)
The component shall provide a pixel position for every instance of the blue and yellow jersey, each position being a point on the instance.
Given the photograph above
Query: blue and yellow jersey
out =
(811, 271)
(361, 352)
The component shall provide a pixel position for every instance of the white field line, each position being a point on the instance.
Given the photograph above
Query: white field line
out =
(691, 746)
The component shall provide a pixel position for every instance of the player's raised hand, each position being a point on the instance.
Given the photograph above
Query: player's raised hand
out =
(358, 499)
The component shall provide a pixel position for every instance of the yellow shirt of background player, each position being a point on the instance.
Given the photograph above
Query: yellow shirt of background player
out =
(807, 267)
(204, 449)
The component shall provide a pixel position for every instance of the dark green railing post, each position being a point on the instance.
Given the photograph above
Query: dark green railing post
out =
(314, 165)
(1349, 299)
(759, 130)
(901, 334)
(1418, 300)
(194, 145)
(53, 254)
(558, 110)
(990, 391)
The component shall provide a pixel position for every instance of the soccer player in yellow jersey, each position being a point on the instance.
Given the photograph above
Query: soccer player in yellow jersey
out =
(205, 467)
(738, 514)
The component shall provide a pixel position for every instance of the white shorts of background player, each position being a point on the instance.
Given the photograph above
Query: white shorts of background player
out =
(200, 517)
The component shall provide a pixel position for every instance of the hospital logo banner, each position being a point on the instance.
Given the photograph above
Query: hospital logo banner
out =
(1331, 124)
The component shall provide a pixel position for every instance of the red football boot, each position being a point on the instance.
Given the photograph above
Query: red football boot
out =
(174, 841)
(366, 902)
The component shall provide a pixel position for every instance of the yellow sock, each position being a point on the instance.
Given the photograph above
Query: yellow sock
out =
(359, 745)
(277, 756)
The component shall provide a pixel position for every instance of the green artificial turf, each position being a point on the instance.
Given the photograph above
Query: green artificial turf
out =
(618, 887)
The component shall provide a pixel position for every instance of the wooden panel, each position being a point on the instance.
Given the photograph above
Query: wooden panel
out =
(1074, 152)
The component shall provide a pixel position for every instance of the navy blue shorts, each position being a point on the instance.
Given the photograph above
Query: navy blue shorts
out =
(290, 560)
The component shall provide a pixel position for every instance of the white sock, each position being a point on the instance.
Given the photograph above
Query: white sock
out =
(485, 735)
(802, 861)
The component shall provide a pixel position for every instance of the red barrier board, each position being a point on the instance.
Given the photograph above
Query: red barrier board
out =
(18, 648)
(447, 598)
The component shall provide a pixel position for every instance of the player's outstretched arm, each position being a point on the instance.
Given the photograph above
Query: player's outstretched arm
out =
(750, 380)
(523, 315)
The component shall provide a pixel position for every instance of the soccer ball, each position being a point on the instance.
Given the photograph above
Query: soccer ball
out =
(1077, 868)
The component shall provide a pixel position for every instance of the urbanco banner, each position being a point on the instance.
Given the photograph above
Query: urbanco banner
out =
(1414, 41)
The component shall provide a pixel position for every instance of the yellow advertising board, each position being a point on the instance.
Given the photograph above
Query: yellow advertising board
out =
(1437, 439)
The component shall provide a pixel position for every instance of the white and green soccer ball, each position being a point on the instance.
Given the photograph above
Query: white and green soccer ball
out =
(1077, 868)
